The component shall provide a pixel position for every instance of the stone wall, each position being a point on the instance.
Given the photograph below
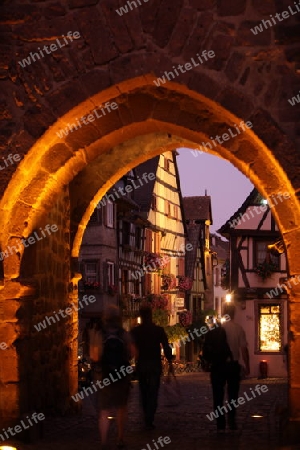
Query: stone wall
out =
(39, 365)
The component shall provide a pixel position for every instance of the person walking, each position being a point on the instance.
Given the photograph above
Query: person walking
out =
(113, 351)
(148, 339)
(225, 346)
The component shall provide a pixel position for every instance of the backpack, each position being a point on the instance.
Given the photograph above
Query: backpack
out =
(216, 350)
(115, 354)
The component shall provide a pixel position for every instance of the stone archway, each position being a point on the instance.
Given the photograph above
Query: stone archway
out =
(61, 180)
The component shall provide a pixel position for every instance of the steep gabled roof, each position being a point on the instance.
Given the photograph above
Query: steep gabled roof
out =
(220, 247)
(143, 195)
(198, 208)
(253, 199)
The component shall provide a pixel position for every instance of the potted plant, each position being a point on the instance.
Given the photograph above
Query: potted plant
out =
(89, 285)
(265, 269)
(185, 318)
(185, 283)
(168, 281)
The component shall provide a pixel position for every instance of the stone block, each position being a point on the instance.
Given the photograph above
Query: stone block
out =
(164, 28)
(182, 28)
(141, 105)
(9, 364)
(66, 98)
(197, 39)
(265, 8)
(54, 10)
(81, 3)
(95, 81)
(235, 102)
(235, 66)
(148, 15)
(37, 120)
(221, 46)
(8, 334)
(287, 34)
(226, 8)
(97, 36)
(18, 13)
(117, 25)
(204, 5)
(245, 37)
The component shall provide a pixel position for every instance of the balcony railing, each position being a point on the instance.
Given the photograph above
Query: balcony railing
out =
(130, 304)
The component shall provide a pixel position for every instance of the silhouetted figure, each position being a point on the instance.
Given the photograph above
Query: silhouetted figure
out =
(111, 351)
(226, 345)
(148, 339)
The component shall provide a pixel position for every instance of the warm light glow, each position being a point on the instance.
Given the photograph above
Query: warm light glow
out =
(110, 417)
(139, 320)
(269, 330)
(228, 298)
(5, 447)
(257, 416)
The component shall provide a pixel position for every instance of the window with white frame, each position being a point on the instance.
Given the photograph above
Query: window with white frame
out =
(110, 214)
(269, 322)
(91, 272)
(110, 273)
(261, 254)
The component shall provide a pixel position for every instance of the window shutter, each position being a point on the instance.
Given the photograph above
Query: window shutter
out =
(105, 276)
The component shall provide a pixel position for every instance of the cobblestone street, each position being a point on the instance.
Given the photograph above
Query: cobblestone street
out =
(187, 425)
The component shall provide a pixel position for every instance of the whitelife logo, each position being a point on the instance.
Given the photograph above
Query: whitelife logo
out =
(111, 197)
(184, 68)
(53, 48)
(268, 23)
(122, 372)
(87, 119)
(124, 9)
(161, 441)
(292, 101)
(50, 319)
(283, 287)
(29, 241)
(259, 209)
(35, 417)
(225, 137)
(221, 410)
(10, 160)
(203, 330)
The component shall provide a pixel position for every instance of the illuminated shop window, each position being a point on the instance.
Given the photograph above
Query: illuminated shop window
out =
(269, 328)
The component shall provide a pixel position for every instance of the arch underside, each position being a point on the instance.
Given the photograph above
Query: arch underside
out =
(147, 122)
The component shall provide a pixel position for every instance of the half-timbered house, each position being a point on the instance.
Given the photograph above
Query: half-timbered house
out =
(161, 204)
(257, 268)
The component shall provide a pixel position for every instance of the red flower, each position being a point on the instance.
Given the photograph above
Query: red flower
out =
(185, 283)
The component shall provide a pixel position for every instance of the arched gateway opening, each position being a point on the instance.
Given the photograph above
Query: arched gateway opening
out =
(59, 183)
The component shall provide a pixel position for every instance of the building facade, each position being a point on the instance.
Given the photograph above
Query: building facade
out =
(161, 206)
(220, 252)
(257, 267)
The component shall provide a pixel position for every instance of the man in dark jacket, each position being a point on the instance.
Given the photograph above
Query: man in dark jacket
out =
(148, 339)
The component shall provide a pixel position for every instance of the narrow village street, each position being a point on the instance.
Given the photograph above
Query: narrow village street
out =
(186, 425)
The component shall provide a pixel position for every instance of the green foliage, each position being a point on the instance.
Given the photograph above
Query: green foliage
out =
(160, 317)
(265, 269)
(175, 332)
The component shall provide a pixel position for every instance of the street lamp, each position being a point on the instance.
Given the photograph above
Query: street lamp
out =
(228, 298)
